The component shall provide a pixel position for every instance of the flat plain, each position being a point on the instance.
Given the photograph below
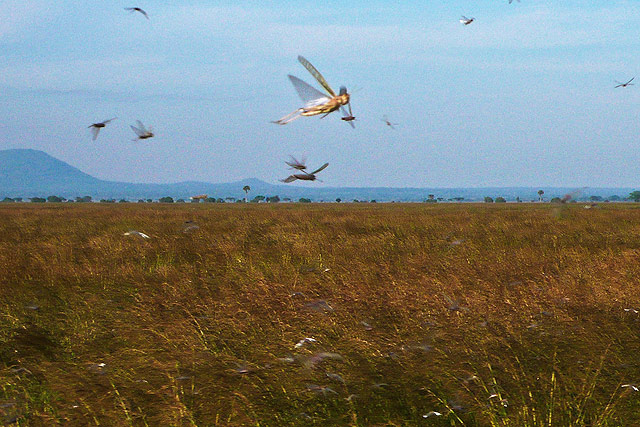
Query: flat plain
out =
(422, 314)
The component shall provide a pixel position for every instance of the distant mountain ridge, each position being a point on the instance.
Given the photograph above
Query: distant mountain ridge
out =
(33, 173)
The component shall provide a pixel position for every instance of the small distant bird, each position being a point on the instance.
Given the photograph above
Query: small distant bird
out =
(625, 84)
(631, 310)
(304, 176)
(466, 21)
(136, 233)
(95, 128)
(387, 122)
(137, 9)
(631, 386)
(304, 341)
(432, 414)
(141, 131)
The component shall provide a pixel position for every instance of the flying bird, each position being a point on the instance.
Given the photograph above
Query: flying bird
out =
(466, 21)
(137, 9)
(386, 121)
(141, 131)
(625, 84)
(316, 102)
(304, 176)
(95, 128)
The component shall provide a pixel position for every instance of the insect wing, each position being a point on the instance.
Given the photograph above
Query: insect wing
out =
(141, 127)
(348, 115)
(95, 131)
(289, 179)
(319, 169)
(311, 96)
(295, 164)
(138, 132)
(107, 121)
(316, 74)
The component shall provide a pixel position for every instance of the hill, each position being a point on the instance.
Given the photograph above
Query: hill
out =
(30, 173)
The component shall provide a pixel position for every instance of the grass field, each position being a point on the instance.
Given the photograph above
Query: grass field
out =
(510, 315)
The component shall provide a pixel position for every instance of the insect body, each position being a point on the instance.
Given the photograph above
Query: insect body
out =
(316, 102)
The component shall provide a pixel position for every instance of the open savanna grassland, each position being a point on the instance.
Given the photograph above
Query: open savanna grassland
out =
(503, 315)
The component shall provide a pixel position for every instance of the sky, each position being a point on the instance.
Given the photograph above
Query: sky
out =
(524, 96)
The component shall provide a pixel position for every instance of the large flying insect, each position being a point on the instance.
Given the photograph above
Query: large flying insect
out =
(316, 102)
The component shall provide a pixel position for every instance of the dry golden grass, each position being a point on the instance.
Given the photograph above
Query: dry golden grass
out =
(435, 308)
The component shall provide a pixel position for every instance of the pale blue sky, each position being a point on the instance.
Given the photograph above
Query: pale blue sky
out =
(524, 96)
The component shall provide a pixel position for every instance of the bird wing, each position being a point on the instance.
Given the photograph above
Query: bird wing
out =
(311, 96)
(95, 131)
(316, 74)
(319, 169)
(143, 12)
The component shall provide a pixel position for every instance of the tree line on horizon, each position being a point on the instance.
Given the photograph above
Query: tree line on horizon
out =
(633, 196)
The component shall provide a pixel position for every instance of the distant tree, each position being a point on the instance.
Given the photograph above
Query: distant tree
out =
(210, 200)
(273, 199)
(488, 199)
(166, 199)
(518, 200)
(17, 199)
(37, 200)
(304, 200)
(356, 201)
(458, 199)
(149, 200)
(286, 199)
(8, 200)
(85, 199)
(257, 199)
(239, 201)
(182, 201)
(556, 200)
(140, 200)
(595, 198)
(54, 199)
(338, 200)
(540, 193)
(500, 200)
(246, 190)
(440, 199)
(373, 201)
(615, 198)
(431, 199)
(230, 199)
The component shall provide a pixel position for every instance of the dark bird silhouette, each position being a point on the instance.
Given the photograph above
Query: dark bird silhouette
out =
(466, 21)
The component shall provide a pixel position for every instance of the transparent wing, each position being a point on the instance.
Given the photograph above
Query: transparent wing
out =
(311, 96)
(348, 114)
(295, 164)
(138, 132)
(110, 120)
(289, 179)
(141, 126)
(316, 74)
(95, 131)
(319, 169)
